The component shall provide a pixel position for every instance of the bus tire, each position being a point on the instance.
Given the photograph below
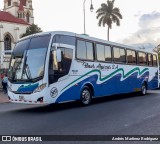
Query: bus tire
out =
(144, 89)
(86, 96)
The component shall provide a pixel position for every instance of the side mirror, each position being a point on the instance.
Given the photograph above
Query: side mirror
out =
(59, 55)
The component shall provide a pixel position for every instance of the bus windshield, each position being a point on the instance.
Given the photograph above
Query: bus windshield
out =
(28, 59)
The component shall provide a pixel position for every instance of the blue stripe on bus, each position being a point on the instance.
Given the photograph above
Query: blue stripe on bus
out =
(109, 87)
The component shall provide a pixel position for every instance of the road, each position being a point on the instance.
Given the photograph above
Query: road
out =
(118, 115)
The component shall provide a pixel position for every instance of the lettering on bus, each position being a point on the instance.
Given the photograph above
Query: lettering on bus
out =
(103, 67)
(100, 66)
(107, 67)
(87, 65)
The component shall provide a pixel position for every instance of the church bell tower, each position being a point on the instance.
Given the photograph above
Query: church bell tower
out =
(21, 9)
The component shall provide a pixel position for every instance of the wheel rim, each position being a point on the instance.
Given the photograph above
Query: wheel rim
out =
(86, 96)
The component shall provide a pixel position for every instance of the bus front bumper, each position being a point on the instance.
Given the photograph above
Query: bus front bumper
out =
(34, 98)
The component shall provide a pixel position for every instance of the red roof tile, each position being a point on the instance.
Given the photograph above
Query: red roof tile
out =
(7, 17)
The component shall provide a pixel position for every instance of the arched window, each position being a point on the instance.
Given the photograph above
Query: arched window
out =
(20, 15)
(9, 2)
(7, 42)
(27, 17)
(23, 15)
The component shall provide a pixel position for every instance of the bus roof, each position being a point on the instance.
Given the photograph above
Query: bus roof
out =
(85, 36)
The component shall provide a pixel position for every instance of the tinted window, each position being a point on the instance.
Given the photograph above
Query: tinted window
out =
(103, 52)
(59, 69)
(119, 55)
(40, 42)
(67, 55)
(131, 57)
(150, 60)
(84, 50)
(100, 52)
(28, 63)
(108, 53)
(154, 60)
(21, 47)
(89, 47)
(142, 58)
(64, 39)
(81, 50)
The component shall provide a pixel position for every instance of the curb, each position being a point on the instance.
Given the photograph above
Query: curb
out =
(3, 98)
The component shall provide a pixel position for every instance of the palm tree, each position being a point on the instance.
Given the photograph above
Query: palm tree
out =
(108, 14)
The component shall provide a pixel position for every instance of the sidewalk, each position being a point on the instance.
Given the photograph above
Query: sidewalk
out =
(3, 98)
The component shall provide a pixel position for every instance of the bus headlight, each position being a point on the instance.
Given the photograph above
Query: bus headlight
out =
(40, 88)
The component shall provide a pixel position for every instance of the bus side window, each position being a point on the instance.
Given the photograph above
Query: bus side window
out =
(131, 57)
(67, 55)
(103, 53)
(84, 50)
(59, 69)
(154, 60)
(119, 55)
(142, 59)
(150, 60)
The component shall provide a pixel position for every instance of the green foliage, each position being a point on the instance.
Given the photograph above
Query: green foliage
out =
(108, 14)
(32, 29)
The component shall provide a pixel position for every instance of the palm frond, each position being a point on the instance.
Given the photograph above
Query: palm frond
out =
(100, 21)
(118, 14)
(100, 14)
(116, 20)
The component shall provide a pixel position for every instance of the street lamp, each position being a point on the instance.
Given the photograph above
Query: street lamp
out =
(91, 9)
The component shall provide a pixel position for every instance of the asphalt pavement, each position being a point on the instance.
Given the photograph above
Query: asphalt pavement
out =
(129, 114)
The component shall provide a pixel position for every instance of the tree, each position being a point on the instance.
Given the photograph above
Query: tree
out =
(108, 14)
(32, 29)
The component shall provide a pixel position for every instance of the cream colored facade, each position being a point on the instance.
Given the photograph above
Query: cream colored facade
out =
(13, 30)
(14, 9)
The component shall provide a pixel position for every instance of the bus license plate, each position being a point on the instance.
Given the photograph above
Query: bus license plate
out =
(21, 97)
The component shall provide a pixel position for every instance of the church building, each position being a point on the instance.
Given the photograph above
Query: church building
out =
(16, 16)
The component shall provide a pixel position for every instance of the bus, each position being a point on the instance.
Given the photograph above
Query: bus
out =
(56, 67)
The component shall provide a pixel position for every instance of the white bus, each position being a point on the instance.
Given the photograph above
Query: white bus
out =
(55, 67)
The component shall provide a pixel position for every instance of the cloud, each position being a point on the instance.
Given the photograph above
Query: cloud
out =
(149, 20)
(138, 14)
(148, 35)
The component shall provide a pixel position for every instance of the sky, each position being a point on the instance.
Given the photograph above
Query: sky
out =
(140, 25)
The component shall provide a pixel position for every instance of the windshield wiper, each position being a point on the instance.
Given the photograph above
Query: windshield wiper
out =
(27, 72)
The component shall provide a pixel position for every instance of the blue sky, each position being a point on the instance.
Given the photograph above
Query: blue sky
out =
(140, 24)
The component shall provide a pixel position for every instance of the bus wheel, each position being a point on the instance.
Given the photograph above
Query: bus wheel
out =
(86, 96)
(144, 89)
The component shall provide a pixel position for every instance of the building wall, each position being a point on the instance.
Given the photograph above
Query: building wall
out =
(12, 10)
(15, 31)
